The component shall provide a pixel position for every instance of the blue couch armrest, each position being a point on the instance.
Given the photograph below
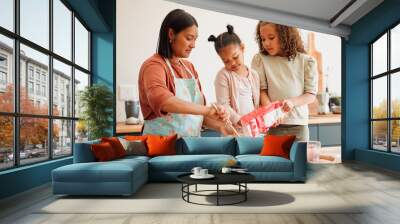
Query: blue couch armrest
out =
(298, 155)
(83, 152)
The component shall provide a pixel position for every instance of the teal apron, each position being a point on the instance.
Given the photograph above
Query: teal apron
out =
(173, 123)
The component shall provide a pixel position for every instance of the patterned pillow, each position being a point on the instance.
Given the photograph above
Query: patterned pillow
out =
(134, 147)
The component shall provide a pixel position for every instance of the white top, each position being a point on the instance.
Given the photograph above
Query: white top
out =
(285, 79)
(227, 85)
(245, 95)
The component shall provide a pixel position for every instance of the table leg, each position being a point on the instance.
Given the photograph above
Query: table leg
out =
(245, 193)
(217, 194)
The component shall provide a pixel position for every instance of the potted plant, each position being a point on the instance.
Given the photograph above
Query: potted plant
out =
(335, 103)
(96, 103)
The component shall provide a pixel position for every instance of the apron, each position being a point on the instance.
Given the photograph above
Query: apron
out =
(174, 123)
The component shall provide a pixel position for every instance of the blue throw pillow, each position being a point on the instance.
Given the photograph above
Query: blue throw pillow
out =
(249, 145)
(206, 145)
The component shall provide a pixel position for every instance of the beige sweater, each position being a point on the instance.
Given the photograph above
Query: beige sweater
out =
(285, 79)
(227, 93)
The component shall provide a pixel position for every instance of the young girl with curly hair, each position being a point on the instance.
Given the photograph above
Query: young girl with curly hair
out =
(286, 74)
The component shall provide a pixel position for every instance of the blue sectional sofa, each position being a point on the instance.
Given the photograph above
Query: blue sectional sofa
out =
(125, 176)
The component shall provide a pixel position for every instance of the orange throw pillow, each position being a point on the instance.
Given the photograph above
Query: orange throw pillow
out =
(277, 145)
(161, 145)
(116, 145)
(103, 151)
(136, 137)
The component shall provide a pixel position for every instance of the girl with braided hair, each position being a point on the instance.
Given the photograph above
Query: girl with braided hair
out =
(237, 86)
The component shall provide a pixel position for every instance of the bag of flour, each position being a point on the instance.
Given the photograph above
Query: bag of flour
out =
(261, 119)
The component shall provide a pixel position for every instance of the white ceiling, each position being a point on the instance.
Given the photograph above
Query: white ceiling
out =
(320, 9)
(316, 15)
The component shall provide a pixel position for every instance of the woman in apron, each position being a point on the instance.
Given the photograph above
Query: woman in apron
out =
(169, 89)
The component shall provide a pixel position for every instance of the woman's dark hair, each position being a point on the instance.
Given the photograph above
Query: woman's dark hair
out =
(225, 39)
(289, 38)
(177, 20)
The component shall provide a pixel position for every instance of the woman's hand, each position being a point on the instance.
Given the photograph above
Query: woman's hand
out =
(287, 106)
(218, 112)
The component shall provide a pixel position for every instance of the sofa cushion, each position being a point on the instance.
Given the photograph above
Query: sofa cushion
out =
(111, 171)
(134, 147)
(103, 152)
(206, 145)
(249, 145)
(142, 138)
(277, 145)
(116, 145)
(185, 163)
(257, 163)
(133, 158)
(161, 145)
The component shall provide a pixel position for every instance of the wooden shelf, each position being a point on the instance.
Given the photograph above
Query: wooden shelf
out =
(123, 128)
(324, 119)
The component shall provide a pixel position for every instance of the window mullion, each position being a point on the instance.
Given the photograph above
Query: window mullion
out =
(371, 141)
(16, 70)
(389, 104)
(73, 82)
(50, 81)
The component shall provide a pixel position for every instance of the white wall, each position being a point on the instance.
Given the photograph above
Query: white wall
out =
(138, 24)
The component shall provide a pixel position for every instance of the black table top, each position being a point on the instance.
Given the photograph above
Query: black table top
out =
(220, 178)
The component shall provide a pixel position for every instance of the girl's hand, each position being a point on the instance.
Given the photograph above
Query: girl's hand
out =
(238, 125)
(287, 106)
(226, 130)
(278, 122)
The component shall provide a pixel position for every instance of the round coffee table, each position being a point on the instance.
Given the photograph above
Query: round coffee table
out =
(238, 179)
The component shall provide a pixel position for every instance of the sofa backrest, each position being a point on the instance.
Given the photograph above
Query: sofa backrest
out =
(249, 145)
(83, 152)
(206, 145)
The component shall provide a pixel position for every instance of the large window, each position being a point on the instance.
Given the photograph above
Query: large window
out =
(44, 63)
(385, 95)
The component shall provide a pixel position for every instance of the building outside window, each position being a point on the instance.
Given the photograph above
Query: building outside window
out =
(37, 75)
(44, 91)
(30, 72)
(30, 87)
(43, 78)
(3, 72)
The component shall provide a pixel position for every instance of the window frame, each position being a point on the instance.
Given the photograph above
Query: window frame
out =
(388, 74)
(15, 71)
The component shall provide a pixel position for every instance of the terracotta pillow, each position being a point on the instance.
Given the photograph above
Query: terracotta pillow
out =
(277, 145)
(103, 151)
(135, 138)
(116, 145)
(161, 145)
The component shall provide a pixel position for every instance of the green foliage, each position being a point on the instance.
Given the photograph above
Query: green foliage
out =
(336, 100)
(380, 127)
(96, 102)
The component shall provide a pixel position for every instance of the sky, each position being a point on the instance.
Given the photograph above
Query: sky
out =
(35, 27)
